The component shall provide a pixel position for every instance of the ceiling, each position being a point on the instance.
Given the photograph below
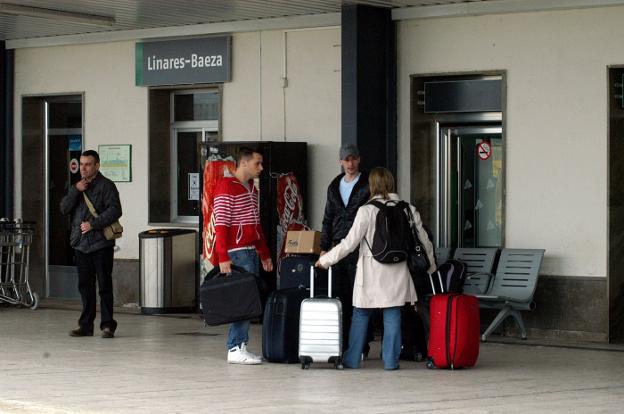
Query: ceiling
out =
(145, 14)
(134, 19)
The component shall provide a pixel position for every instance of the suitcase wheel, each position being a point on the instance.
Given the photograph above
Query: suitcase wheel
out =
(305, 362)
(430, 364)
(338, 363)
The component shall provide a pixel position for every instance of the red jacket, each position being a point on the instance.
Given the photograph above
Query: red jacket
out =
(237, 218)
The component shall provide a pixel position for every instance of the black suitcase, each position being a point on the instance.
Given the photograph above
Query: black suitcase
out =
(229, 298)
(280, 326)
(295, 272)
(413, 336)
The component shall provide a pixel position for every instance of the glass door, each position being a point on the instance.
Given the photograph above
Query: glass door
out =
(472, 187)
(194, 119)
(185, 177)
(64, 144)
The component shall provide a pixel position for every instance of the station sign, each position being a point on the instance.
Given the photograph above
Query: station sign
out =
(183, 61)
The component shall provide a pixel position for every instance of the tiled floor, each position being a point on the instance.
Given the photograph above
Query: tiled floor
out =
(173, 365)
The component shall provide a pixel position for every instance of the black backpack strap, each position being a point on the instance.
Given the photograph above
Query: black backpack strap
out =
(376, 203)
(380, 205)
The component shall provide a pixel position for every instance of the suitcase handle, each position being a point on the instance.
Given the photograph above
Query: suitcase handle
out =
(329, 282)
(432, 284)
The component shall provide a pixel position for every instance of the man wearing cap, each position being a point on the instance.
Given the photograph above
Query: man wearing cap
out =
(345, 194)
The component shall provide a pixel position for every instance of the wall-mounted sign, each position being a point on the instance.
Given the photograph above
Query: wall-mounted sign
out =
(183, 61)
(74, 166)
(116, 162)
(484, 150)
(75, 143)
(193, 186)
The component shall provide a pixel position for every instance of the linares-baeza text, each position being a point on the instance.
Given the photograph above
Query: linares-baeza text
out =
(194, 61)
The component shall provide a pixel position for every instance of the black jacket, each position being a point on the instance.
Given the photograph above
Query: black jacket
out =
(338, 219)
(105, 198)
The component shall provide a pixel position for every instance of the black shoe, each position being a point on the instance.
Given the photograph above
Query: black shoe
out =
(107, 333)
(80, 332)
(365, 352)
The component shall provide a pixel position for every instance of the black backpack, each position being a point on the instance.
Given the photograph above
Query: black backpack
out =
(449, 278)
(393, 235)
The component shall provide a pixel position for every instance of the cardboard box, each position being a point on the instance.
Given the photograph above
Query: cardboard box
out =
(303, 242)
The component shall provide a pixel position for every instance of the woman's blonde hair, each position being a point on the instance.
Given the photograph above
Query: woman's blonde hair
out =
(381, 182)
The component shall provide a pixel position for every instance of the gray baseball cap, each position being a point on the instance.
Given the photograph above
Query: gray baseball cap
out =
(348, 150)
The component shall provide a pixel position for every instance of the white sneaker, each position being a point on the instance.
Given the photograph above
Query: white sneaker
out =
(240, 355)
(249, 354)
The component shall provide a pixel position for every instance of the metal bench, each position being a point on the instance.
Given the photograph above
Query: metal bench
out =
(479, 267)
(442, 254)
(513, 287)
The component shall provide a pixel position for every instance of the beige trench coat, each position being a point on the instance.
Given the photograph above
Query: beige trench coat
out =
(377, 285)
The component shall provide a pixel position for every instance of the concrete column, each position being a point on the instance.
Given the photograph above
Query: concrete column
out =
(6, 131)
(369, 84)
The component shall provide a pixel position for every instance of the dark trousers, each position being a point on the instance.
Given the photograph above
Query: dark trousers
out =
(343, 274)
(91, 266)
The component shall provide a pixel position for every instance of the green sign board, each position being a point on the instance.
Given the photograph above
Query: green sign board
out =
(183, 61)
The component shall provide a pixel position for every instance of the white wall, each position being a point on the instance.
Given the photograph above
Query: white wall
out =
(556, 169)
(255, 106)
(115, 113)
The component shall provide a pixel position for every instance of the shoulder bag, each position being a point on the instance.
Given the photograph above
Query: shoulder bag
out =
(417, 260)
(230, 298)
(112, 232)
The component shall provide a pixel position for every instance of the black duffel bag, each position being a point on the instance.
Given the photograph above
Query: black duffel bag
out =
(227, 298)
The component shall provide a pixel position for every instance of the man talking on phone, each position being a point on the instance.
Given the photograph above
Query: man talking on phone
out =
(94, 253)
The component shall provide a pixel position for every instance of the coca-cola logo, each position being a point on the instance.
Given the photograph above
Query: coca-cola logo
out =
(291, 203)
(209, 240)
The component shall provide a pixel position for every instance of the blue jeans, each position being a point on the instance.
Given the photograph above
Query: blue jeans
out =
(248, 260)
(391, 345)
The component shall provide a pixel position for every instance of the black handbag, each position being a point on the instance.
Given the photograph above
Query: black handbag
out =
(417, 260)
(227, 298)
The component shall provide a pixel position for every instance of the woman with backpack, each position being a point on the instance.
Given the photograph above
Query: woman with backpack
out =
(377, 285)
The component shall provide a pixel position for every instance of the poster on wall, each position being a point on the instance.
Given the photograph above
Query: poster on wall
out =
(116, 162)
(193, 184)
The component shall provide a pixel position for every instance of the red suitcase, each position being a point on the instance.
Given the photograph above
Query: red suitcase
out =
(454, 331)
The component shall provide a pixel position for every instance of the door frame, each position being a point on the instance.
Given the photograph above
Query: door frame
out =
(445, 172)
(47, 99)
(203, 127)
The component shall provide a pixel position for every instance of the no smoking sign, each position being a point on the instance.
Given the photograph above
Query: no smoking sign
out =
(484, 150)
(74, 166)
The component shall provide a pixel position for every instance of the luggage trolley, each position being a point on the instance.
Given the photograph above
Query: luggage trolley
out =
(15, 240)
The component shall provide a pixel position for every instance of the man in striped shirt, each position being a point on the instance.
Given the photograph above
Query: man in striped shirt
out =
(239, 239)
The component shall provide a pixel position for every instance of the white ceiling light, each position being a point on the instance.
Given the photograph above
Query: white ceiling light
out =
(66, 16)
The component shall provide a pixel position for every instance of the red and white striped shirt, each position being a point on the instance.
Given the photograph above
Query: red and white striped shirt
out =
(237, 218)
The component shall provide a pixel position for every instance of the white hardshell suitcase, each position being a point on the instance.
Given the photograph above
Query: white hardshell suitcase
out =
(320, 327)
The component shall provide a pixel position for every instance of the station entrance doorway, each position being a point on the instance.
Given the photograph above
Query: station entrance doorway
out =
(457, 157)
(64, 140)
(52, 141)
(470, 180)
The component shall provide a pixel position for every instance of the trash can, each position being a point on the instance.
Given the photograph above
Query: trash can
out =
(168, 267)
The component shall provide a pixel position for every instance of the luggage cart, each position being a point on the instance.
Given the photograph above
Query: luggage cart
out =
(15, 240)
